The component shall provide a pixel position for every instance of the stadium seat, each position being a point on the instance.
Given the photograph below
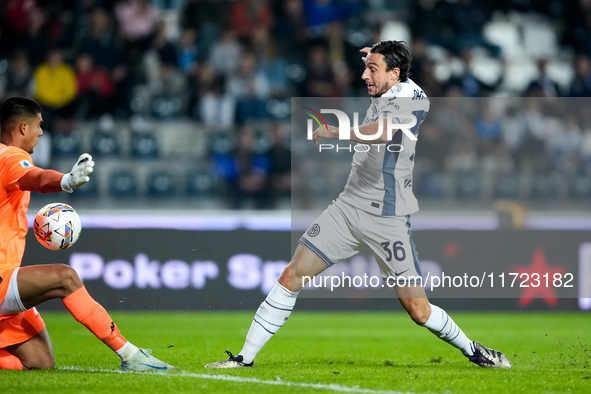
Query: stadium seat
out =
(397, 29)
(518, 74)
(144, 146)
(221, 143)
(166, 107)
(580, 187)
(468, 186)
(278, 109)
(201, 183)
(106, 144)
(539, 37)
(506, 35)
(161, 184)
(123, 184)
(487, 69)
(544, 187)
(66, 144)
(506, 187)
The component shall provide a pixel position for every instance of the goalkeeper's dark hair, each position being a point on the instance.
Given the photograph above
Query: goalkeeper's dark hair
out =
(396, 54)
(16, 109)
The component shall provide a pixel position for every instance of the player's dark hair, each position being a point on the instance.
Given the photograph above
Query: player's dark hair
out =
(17, 109)
(396, 54)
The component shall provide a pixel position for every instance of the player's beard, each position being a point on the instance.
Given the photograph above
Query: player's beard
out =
(383, 89)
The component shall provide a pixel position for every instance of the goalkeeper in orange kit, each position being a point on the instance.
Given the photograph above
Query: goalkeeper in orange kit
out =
(24, 340)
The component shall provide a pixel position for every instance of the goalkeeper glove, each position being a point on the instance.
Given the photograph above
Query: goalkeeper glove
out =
(79, 174)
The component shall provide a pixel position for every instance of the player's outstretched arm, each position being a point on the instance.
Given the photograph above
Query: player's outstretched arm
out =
(43, 181)
(50, 181)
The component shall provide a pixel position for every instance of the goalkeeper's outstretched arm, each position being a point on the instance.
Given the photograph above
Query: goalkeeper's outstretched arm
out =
(50, 181)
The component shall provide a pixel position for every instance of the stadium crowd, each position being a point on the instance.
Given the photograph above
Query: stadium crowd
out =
(230, 68)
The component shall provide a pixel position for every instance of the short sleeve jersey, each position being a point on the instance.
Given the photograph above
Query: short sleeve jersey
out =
(14, 163)
(380, 181)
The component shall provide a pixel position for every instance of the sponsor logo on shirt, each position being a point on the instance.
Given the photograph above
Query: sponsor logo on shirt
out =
(25, 163)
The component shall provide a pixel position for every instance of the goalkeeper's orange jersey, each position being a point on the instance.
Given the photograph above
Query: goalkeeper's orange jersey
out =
(14, 163)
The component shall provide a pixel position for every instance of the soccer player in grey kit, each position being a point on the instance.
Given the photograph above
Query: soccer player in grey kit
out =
(372, 211)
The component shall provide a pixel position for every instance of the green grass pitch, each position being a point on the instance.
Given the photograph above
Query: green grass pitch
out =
(320, 353)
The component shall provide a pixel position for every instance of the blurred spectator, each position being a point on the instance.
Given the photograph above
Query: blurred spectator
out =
(469, 17)
(345, 59)
(166, 82)
(164, 47)
(95, 88)
(419, 57)
(18, 79)
(319, 76)
(99, 43)
(581, 84)
(431, 21)
(188, 52)
(55, 90)
(97, 40)
(543, 85)
(578, 33)
(451, 113)
(488, 130)
(246, 15)
(474, 86)
(531, 131)
(250, 88)
(319, 13)
(14, 24)
(245, 172)
(136, 22)
(291, 30)
(61, 24)
(207, 18)
(422, 70)
(36, 37)
(270, 63)
(342, 82)
(512, 127)
(225, 54)
(211, 105)
(567, 147)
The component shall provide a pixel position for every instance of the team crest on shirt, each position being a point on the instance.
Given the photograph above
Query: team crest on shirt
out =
(314, 230)
(25, 163)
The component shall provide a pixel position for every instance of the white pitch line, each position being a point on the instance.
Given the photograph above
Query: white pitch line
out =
(239, 379)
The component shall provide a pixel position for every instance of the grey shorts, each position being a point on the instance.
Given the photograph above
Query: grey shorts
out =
(12, 301)
(342, 231)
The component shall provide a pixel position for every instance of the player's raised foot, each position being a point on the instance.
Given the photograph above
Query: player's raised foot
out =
(144, 361)
(488, 358)
(232, 362)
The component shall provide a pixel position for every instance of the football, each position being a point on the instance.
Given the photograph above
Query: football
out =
(57, 226)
